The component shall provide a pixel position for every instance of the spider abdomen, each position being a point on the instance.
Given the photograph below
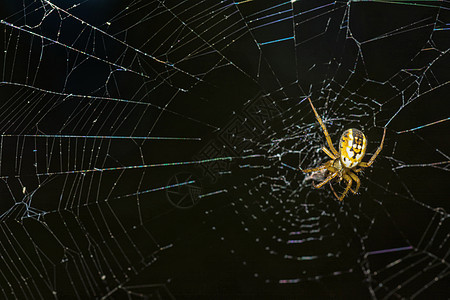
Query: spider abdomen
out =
(352, 147)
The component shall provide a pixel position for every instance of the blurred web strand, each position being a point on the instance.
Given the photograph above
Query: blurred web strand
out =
(423, 126)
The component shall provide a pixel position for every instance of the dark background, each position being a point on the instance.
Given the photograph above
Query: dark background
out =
(90, 203)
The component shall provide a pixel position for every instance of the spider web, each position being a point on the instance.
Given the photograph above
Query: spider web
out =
(152, 149)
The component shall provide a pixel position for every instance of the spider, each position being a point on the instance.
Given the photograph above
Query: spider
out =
(344, 165)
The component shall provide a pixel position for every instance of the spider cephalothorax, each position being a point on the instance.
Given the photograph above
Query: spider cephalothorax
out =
(344, 165)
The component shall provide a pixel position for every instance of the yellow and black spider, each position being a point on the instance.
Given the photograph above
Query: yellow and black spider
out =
(344, 165)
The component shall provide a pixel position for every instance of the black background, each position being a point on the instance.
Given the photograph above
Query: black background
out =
(86, 234)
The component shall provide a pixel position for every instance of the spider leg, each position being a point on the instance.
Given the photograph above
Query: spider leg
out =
(327, 152)
(329, 178)
(346, 179)
(356, 179)
(349, 184)
(372, 159)
(334, 192)
(314, 169)
(331, 169)
(325, 131)
(324, 166)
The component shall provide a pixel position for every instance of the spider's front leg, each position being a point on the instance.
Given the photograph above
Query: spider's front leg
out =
(327, 152)
(326, 165)
(328, 179)
(325, 131)
(314, 169)
(356, 179)
(349, 185)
